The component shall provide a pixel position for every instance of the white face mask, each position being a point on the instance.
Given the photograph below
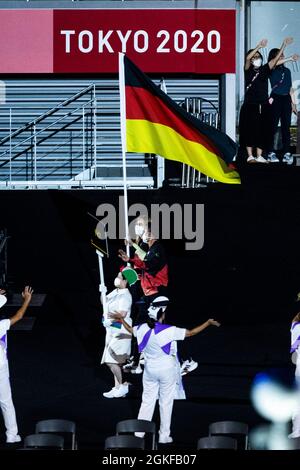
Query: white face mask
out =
(117, 282)
(257, 62)
(145, 238)
(139, 230)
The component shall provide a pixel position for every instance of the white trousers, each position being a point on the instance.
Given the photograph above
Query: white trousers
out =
(161, 384)
(6, 403)
(296, 416)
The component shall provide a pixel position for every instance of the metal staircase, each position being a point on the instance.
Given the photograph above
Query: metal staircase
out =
(61, 147)
(66, 133)
(34, 152)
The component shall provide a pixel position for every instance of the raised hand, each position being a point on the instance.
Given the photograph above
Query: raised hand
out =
(27, 293)
(213, 322)
(295, 57)
(288, 41)
(262, 43)
(123, 255)
(2, 291)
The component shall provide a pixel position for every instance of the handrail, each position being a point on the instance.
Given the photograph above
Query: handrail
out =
(183, 102)
(3, 239)
(45, 128)
(47, 113)
(40, 141)
(69, 139)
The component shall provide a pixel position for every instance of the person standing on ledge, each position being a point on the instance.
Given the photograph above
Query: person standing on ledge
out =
(255, 123)
(158, 341)
(283, 103)
(6, 403)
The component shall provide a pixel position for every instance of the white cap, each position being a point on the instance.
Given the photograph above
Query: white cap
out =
(156, 305)
(3, 300)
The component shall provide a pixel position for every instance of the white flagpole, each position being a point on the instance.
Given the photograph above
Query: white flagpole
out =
(123, 140)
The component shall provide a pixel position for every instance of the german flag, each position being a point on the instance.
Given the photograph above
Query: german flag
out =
(156, 124)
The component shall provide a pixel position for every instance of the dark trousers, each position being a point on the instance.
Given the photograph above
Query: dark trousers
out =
(282, 111)
(255, 125)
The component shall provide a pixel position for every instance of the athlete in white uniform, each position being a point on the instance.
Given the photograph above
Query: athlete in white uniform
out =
(6, 402)
(118, 340)
(295, 349)
(158, 342)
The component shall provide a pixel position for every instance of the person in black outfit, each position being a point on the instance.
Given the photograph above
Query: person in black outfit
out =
(255, 116)
(282, 104)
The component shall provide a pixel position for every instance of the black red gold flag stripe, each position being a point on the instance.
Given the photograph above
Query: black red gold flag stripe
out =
(156, 124)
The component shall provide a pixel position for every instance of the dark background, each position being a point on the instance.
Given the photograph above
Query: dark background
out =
(247, 276)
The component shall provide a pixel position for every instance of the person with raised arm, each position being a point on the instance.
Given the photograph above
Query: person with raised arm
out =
(6, 402)
(283, 103)
(255, 123)
(158, 342)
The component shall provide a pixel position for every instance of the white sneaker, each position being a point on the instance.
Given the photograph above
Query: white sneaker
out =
(188, 366)
(261, 159)
(288, 158)
(137, 370)
(165, 440)
(110, 394)
(272, 157)
(13, 439)
(251, 159)
(121, 391)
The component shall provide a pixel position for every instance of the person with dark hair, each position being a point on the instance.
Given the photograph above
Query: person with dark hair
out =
(118, 341)
(158, 342)
(295, 350)
(6, 402)
(282, 100)
(255, 116)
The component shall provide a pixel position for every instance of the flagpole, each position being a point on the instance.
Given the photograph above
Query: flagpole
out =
(123, 141)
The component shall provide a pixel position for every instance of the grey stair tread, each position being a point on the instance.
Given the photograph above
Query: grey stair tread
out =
(26, 324)
(16, 300)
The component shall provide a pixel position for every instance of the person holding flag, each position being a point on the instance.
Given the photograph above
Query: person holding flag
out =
(118, 341)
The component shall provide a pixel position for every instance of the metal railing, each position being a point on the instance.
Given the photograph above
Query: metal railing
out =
(3, 257)
(190, 177)
(31, 152)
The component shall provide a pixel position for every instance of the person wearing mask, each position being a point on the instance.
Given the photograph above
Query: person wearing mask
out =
(118, 341)
(158, 342)
(152, 265)
(255, 121)
(6, 402)
(282, 100)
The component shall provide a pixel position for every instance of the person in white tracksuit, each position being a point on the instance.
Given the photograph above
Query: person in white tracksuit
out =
(158, 343)
(295, 350)
(6, 402)
(118, 341)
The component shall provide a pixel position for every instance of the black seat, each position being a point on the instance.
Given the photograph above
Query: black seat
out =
(137, 425)
(44, 440)
(124, 442)
(233, 429)
(217, 442)
(60, 426)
